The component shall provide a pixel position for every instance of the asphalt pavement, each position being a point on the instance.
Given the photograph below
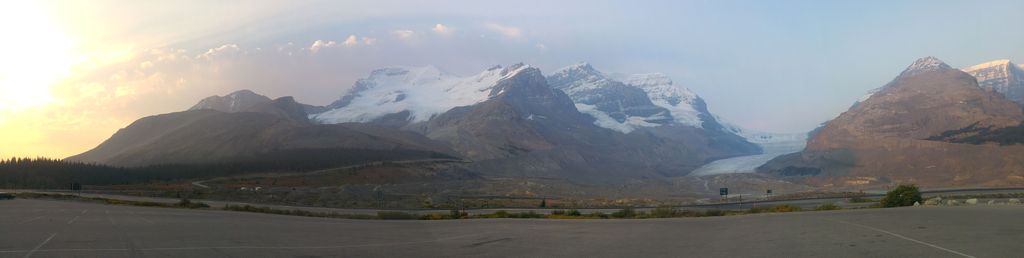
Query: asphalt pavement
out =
(43, 228)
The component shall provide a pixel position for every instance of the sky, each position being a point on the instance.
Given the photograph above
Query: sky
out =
(74, 72)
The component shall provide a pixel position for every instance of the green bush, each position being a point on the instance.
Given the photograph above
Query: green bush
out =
(435, 216)
(395, 215)
(627, 212)
(454, 213)
(184, 203)
(566, 213)
(827, 207)
(903, 195)
(501, 214)
(664, 212)
(859, 199)
(527, 215)
(758, 209)
(713, 213)
(574, 212)
(786, 208)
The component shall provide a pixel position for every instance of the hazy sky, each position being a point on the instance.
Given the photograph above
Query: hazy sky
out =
(72, 73)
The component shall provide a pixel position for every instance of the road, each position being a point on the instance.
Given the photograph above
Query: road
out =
(39, 228)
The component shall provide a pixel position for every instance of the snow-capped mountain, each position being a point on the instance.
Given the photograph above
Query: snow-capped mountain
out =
(912, 130)
(419, 93)
(924, 65)
(685, 106)
(627, 102)
(613, 104)
(1001, 76)
(234, 102)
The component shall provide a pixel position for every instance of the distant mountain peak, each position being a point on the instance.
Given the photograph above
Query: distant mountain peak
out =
(925, 64)
(418, 92)
(581, 70)
(1002, 76)
(582, 65)
(998, 63)
(233, 102)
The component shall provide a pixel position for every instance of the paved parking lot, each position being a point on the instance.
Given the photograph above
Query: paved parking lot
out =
(41, 228)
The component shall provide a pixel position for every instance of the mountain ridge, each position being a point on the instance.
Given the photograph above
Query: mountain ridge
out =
(889, 136)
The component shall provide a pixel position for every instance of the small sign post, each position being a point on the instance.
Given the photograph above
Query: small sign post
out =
(769, 194)
(76, 188)
(724, 192)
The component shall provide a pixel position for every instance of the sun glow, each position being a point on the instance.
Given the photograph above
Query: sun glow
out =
(35, 54)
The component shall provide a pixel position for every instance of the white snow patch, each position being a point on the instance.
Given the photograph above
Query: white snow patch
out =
(423, 91)
(989, 64)
(603, 120)
(664, 93)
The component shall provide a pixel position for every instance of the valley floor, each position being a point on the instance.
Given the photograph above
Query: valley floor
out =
(37, 228)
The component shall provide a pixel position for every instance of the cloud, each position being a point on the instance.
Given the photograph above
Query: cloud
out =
(507, 31)
(318, 44)
(541, 46)
(352, 40)
(404, 34)
(369, 41)
(226, 50)
(442, 29)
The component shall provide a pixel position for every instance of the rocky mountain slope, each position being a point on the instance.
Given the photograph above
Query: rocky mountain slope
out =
(234, 102)
(891, 136)
(204, 135)
(613, 104)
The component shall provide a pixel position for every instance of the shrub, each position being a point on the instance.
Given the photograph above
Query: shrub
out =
(530, 215)
(859, 199)
(664, 212)
(903, 195)
(713, 213)
(627, 212)
(501, 214)
(574, 212)
(758, 209)
(786, 208)
(435, 216)
(184, 203)
(827, 207)
(395, 215)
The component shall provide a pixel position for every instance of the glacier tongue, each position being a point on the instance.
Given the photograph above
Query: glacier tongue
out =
(424, 92)
(772, 145)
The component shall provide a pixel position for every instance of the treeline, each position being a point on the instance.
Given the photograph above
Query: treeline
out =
(45, 173)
